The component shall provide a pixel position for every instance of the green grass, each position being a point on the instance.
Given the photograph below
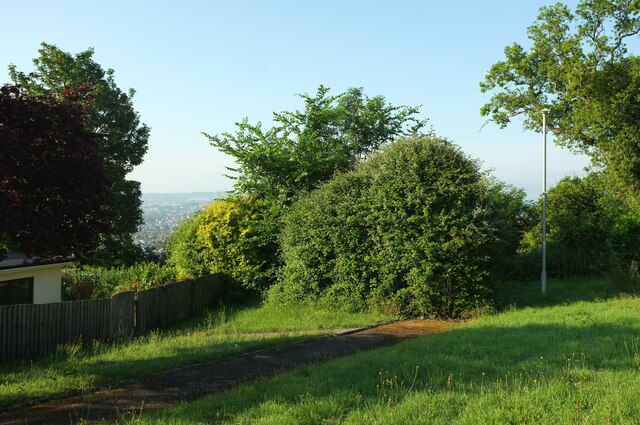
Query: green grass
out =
(570, 357)
(215, 335)
(559, 291)
(259, 317)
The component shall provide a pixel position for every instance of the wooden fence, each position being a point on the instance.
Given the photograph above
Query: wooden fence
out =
(28, 330)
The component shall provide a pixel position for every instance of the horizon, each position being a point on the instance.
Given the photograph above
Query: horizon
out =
(201, 67)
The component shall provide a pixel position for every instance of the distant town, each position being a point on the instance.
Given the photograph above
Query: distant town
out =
(162, 212)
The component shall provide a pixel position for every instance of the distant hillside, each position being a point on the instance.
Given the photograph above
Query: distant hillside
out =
(180, 198)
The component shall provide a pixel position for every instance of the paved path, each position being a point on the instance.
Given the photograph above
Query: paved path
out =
(168, 388)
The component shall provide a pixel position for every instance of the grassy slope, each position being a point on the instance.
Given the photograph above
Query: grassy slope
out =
(213, 336)
(571, 361)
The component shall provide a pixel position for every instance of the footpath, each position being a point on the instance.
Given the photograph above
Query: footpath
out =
(168, 388)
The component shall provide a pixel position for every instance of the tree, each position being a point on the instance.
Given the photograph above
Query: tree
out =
(414, 227)
(53, 182)
(579, 67)
(111, 115)
(305, 148)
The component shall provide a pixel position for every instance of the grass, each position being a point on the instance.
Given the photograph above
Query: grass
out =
(570, 357)
(258, 317)
(559, 291)
(216, 335)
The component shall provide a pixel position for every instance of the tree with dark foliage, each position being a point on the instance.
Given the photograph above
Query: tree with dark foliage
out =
(53, 183)
(123, 143)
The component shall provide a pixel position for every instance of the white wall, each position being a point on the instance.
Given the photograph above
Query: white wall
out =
(47, 281)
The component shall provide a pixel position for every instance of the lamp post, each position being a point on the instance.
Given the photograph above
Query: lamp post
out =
(543, 275)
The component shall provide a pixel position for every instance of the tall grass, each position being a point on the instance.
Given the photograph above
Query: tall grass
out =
(568, 359)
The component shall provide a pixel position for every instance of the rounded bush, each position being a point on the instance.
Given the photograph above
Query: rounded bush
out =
(411, 228)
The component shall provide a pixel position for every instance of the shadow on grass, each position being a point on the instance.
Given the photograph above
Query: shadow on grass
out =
(223, 312)
(81, 368)
(84, 373)
(573, 344)
(216, 335)
(203, 321)
(559, 291)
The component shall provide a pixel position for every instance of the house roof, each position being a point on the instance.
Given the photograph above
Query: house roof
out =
(16, 260)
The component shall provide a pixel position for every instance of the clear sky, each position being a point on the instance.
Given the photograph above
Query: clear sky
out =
(201, 66)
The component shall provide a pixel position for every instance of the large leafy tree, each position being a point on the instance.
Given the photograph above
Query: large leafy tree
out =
(53, 182)
(580, 68)
(305, 148)
(112, 116)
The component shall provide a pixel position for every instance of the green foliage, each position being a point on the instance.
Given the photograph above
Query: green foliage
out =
(227, 237)
(579, 68)
(512, 216)
(306, 148)
(184, 251)
(593, 227)
(414, 227)
(326, 245)
(123, 138)
(100, 282)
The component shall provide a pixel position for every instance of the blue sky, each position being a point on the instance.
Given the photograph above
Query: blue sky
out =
(201, 66)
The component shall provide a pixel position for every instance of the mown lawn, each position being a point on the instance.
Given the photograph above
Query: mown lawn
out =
(216, 335)
(571, 357)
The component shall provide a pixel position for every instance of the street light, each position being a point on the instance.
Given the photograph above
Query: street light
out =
(543, 275)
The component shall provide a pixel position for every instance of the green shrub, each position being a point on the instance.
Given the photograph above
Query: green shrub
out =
(413, 228)
(184, 251)
(325, 242)
(100, 282)
(593, 227)
(227, 236)
(512, 217)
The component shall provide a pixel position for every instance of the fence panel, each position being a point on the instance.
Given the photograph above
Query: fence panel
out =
(167, 304)
(207, 291)
(145, 311)
(28, 330)
(122, 315)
